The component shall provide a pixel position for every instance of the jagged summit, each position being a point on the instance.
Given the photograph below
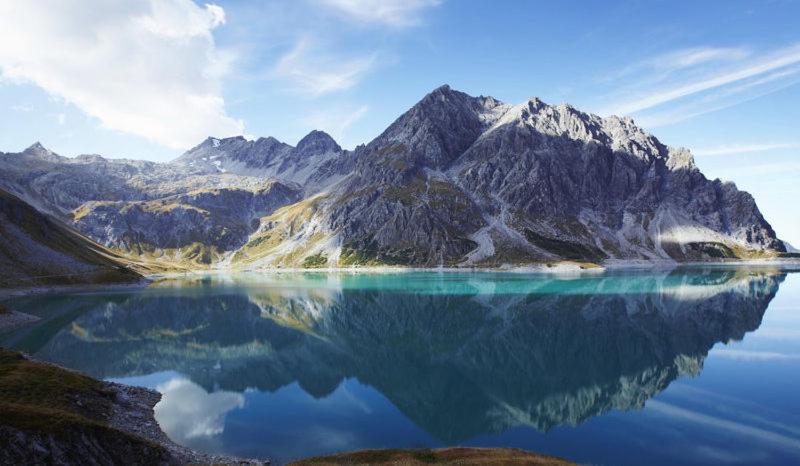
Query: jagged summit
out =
(317, 142)
(38, 149)
(442, 125)
(35, 147)
(456, 180)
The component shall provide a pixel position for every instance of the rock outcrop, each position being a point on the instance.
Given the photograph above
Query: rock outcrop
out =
(36, 249)
(455, 181)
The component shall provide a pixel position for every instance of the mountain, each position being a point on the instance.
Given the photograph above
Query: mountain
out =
(456, 180)
(36, 249)
(461, 180)
(316, 161)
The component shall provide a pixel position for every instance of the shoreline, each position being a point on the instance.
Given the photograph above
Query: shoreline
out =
(566, 269)
(562, 268)
(130, 417)
(133, 413)
(129, 423)
(6, 293)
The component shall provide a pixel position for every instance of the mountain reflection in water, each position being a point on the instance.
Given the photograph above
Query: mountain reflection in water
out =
(459, 354)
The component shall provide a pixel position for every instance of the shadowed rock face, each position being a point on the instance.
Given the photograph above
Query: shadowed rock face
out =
(455, 180)
(481, 355)
(36, 249)
(532, 183)
(222, 218)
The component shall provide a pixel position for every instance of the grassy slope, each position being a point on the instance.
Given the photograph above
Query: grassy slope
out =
(451, 456)
(38, 250)
(66, 412)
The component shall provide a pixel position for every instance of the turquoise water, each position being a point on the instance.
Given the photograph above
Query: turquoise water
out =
(685, 367)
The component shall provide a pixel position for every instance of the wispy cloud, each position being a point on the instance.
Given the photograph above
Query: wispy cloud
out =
(662, 65)
(395, 13)
(744, 355)
(315, 73)
(732, 149)
(695, 56)
(689, 82)
(717, 423)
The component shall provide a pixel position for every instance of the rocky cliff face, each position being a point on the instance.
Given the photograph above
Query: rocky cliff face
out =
(37, 250)
(197, 227)
(460, 180)
(456, 180)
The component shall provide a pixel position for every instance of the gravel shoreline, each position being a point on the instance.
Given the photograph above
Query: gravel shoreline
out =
(133, 413)
(97, 421)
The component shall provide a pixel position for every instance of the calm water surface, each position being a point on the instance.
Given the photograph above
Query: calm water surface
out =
(690, 367)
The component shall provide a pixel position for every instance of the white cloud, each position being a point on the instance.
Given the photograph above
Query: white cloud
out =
(710, 423)
(316, 74)
(710, 78)
(744, 355)
(186, 411)
(145, 67)
(336, 122)
(731, 149)
(684, 58)
(61, 119)
(396, 13)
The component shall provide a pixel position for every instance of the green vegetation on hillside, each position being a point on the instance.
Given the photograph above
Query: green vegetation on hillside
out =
(44, 404)
(315, 261)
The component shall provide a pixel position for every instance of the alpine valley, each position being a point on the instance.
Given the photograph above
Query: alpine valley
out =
(456, 181)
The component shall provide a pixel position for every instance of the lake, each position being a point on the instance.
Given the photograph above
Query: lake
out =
(690, 366)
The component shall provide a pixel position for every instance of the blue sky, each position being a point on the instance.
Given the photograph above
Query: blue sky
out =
(146, 79)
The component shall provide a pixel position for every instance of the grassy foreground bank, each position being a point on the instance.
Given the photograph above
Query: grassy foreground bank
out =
(51, 415)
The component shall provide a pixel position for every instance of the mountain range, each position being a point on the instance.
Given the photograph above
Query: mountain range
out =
(455, 181)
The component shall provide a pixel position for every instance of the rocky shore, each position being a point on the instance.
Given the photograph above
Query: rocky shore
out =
(52, 415)
(56, 416)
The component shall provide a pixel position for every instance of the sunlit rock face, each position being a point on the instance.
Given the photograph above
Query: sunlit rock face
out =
(458, 356)
(456, 180)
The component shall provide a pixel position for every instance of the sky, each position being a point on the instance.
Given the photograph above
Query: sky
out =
(149, 79)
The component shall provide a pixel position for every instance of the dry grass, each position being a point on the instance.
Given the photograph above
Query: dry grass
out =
(66, 412)
(446, 456)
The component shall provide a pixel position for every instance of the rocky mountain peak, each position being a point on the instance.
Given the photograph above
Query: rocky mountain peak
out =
(441, 126)
(268, 143)
(317, 142)
(39, 151)
(454, 180)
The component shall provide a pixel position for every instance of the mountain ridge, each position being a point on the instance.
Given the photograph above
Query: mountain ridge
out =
(38, 250)
(455, 181)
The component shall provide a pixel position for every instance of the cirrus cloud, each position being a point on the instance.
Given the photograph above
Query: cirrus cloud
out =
(396, 13)
(314, 73)
(144, 67)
